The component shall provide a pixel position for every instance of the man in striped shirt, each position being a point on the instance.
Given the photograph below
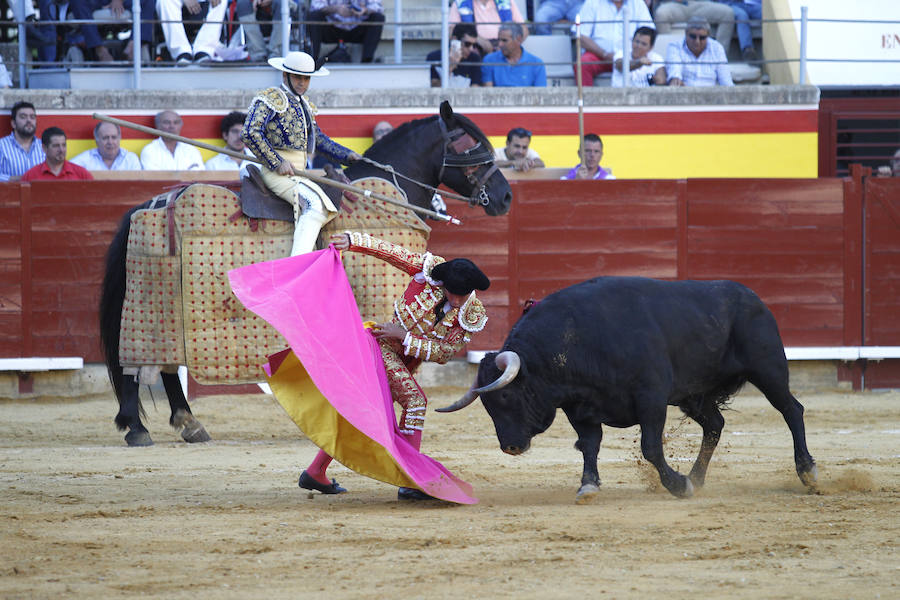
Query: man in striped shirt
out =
(19, 151)
(697, 60)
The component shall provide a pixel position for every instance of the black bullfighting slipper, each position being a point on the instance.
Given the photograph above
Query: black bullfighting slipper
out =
(406, 493)
(308, 483)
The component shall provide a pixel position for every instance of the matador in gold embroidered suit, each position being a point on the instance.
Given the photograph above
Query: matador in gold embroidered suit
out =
(433, 320)
(281, 130)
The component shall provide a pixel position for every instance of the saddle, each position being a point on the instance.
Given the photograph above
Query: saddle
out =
(257, 202)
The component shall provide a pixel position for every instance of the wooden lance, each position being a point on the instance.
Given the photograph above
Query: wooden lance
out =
(311, 176)
(580, 86)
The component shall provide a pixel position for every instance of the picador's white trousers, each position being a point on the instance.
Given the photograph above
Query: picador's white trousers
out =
(312, 208)
(176, 37)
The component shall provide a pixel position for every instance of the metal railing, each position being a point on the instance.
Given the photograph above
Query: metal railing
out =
(287, 24)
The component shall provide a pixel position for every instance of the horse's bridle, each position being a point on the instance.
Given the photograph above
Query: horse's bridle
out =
(461, 150)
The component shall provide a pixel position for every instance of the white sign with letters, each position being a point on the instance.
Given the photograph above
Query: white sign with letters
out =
(850, 49)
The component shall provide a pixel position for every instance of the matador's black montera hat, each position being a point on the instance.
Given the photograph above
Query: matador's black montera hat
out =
(460, 276)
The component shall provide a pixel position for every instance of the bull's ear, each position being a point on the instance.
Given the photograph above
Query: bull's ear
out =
(446, 111)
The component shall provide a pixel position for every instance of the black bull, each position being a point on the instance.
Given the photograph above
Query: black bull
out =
(617, 350)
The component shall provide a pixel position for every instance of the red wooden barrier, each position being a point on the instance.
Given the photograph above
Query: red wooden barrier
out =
(797, 243)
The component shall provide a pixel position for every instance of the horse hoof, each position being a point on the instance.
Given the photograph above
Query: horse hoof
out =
(193, 431)
(587, 494)
(195, 434)
(138, 438)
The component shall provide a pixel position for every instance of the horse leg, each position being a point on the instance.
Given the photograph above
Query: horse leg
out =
(192, 431)
(129, 415)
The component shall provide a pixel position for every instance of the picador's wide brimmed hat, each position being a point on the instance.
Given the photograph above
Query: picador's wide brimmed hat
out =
(460, 276)
(298, 63)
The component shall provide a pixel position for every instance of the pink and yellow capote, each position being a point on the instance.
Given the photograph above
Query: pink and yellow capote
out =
(332, 381)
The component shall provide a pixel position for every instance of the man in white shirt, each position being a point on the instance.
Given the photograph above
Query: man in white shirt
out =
(697, 61)
(517, 154)
(646, 68)
(601, 32)
(232, 125)
(108, 155)
(169, 155)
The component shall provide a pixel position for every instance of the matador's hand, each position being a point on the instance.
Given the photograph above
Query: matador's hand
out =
(389, 330)
(341, 241)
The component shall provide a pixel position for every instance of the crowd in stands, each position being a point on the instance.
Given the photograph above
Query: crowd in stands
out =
(486, 36)
(25, 156)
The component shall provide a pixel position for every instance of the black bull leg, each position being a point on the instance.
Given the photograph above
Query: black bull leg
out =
(589, 437)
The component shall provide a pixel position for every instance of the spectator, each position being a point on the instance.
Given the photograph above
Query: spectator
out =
(487, 15)
(69, 39)
(381, 129)
(114, 11)
(182, 50)
(551, 11)
(163, 154)
(464, 68)
(18, 150)
(511, 66)
(697, 61)
(601, 32)
(682, 11)
(358, 21)
(743, 12)
(232, 125)
(250, 13)
(589, 167)
(647, 67)
(56, 167)
(108, 155)
(517, 154)
(5, 78)
(892, 170)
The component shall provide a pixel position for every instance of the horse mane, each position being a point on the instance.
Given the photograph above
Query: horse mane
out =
(463, 121)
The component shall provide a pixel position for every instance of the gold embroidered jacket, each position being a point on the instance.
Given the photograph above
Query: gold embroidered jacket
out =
(427, 338)
(279, 119)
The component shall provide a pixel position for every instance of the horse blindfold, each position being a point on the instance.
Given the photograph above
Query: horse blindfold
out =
(467, 152)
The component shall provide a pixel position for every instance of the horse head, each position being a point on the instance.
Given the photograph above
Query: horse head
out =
(448, 149)
(467, 164)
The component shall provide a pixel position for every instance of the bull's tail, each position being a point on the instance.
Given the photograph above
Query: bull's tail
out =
(112, 298)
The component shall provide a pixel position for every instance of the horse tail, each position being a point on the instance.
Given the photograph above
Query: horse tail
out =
(112, 298)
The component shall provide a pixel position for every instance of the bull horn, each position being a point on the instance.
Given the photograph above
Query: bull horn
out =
(509, 361)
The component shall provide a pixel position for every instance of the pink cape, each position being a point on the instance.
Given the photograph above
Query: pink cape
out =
(338, 393)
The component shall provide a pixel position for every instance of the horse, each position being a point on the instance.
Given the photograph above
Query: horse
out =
(419, 155)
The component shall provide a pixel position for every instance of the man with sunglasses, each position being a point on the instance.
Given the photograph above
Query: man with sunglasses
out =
(463, 58)
(517, 154)
(697, 61)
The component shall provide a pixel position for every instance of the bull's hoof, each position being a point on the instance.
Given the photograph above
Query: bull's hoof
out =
(587, 494)
(193, 431)
(810, 476)
(688, 490)
(138, 438)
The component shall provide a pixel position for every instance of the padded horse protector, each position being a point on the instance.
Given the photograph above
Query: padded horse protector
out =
(180, 309)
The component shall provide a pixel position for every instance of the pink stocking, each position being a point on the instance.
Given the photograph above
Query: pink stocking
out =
(317, 467)
(414, 438)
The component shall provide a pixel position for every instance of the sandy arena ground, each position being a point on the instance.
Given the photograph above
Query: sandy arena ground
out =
(83, 516)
